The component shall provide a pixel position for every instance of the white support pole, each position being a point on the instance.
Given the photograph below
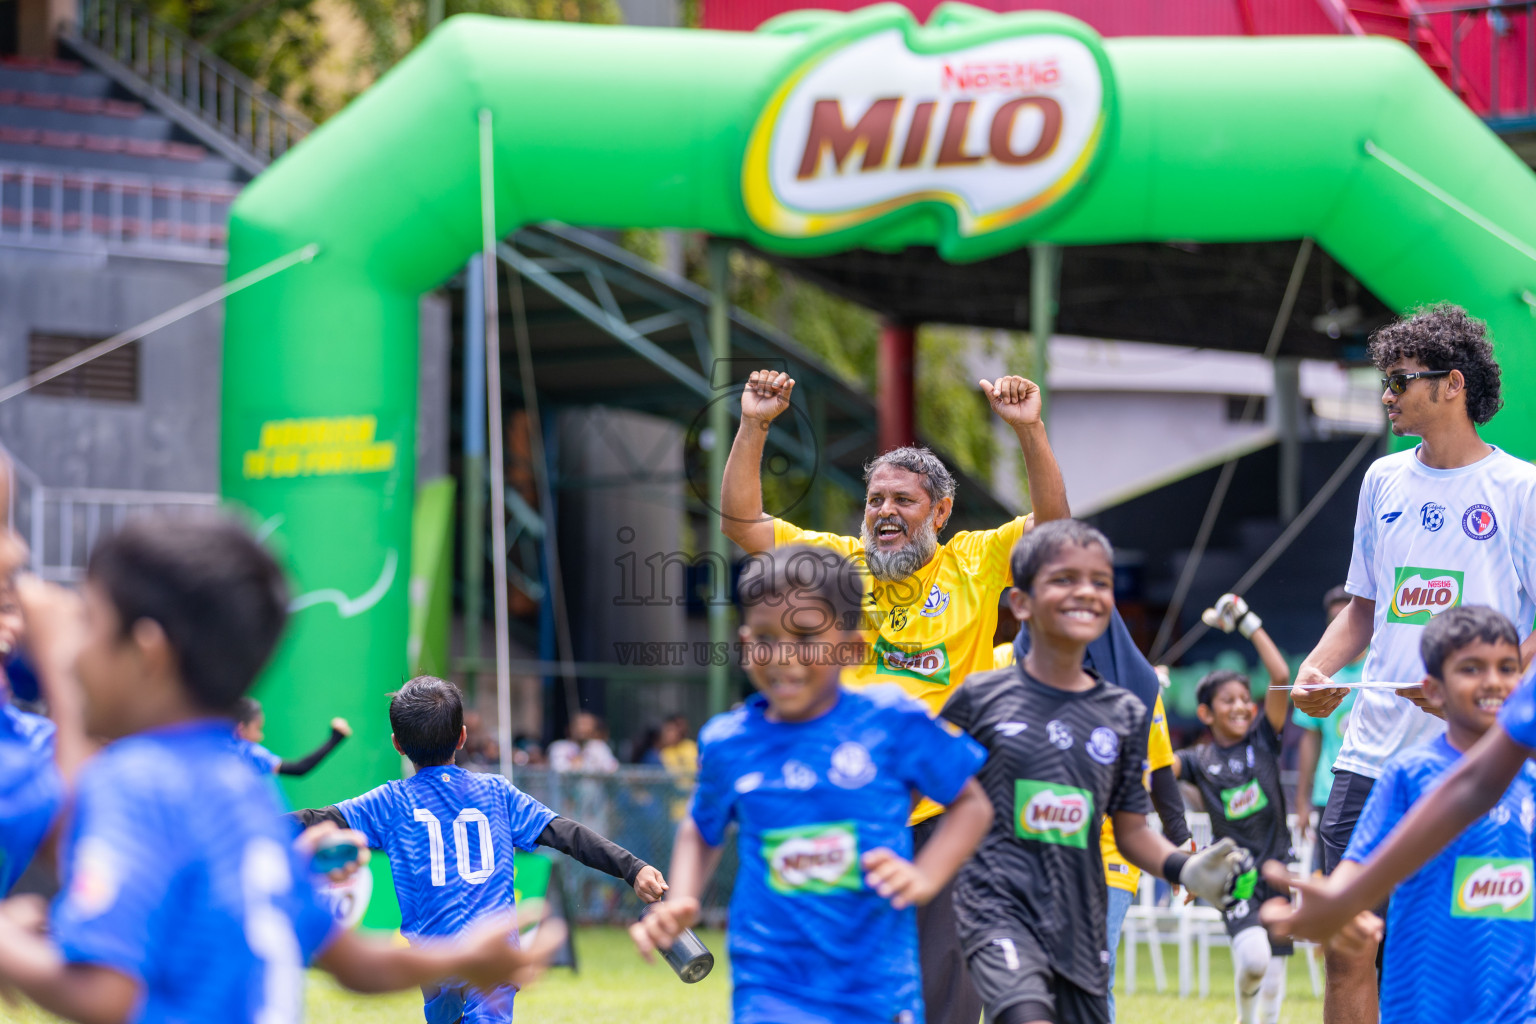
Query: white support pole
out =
(495, 437)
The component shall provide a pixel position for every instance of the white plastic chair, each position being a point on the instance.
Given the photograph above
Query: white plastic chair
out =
(1141, 925)
(1303, 845)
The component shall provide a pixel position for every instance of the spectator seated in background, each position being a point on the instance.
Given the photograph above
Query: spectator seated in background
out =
(672, 747)
(586, 750)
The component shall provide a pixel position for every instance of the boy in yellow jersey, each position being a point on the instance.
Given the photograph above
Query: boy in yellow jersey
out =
(932, 606)
(1122, 877)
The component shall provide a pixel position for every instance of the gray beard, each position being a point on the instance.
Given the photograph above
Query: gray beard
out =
(891, 566)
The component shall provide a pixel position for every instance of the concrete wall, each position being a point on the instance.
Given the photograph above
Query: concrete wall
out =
(620, 503)
(167, 440)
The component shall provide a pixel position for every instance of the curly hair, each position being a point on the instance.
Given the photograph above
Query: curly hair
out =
(1444, 337)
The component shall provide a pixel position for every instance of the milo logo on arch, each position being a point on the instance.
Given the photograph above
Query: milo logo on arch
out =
(1419, 594)
(813, 859)
(1048, 812)
(1498, 887)
(930, 664)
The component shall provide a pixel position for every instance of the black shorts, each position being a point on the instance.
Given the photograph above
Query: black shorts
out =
(1244, 914)
(1011, 970)
(1346, 801)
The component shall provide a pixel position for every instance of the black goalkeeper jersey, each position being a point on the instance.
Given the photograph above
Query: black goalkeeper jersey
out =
(1059, 762)
(1240, 787)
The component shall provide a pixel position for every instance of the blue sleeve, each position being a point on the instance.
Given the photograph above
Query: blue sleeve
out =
(714, 796)
(31, 795)
(265, 759)
(527, 817)
(117, 875)
(369, 814)
(1518, 715)
(1390, 799)
(930, 758)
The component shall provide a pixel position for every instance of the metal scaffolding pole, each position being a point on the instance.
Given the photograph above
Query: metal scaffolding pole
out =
(1044, 279)
(496, 434)
(474, 464)
(720, 431)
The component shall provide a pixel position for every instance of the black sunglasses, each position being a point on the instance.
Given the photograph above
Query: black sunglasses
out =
(1397, 383)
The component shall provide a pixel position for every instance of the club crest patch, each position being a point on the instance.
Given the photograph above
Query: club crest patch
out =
(1104, 745)
(1478, 522)
(935, 603)
(852, 766)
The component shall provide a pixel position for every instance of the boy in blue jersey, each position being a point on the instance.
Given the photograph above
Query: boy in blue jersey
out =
(1476, 897)
(185, 898)
(31, 791)
(250, 730)
(820, 781)
(450, 836)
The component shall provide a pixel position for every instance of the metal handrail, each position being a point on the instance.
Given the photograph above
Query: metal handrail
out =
(192, 77)
(128, 214)
(63, 524)
(1344, 20)
(1485, 90)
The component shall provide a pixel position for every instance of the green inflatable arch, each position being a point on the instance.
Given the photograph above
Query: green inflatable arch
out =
(976, 133)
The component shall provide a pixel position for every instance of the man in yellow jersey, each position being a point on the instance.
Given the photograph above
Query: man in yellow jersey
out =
(933, 606)
(1122, 877)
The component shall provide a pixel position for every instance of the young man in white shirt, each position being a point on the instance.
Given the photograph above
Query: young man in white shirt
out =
(1447, 523)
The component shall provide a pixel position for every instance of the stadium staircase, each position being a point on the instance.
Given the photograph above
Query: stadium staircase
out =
(136, 146)
(1403, 21)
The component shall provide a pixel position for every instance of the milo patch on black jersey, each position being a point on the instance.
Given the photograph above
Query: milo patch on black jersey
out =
(929, 664)
(1241, 801)
(1049, 812)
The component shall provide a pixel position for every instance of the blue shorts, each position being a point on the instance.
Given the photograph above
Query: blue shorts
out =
(454, 1004)
(756, 1005)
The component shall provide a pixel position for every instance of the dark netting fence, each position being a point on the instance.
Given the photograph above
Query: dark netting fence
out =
(639, 808)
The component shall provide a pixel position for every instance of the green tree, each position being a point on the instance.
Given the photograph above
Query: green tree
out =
(318, 54)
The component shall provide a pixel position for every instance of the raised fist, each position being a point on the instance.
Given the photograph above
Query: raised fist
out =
(766, 395)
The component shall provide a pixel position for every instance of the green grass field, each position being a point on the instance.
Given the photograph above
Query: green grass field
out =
(615, 985)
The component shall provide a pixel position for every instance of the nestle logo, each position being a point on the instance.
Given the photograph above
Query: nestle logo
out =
(1000, 76)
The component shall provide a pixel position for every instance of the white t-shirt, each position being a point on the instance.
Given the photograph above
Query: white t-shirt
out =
(1428, 540)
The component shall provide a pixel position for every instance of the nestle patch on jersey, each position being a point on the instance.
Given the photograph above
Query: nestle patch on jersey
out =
(1493, 887)
(813, 859)
(1050, 812)
(1419, 594)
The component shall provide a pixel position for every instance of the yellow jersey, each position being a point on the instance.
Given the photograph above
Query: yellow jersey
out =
(1120, 873)
(934, 628)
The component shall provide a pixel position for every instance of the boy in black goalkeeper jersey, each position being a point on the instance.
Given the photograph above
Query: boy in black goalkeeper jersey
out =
(1238, 776)
(1066, 748)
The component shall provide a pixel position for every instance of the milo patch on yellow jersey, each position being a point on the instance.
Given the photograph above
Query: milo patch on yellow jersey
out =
(909, 661)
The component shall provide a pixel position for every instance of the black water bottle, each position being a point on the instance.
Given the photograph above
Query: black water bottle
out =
(689, 958)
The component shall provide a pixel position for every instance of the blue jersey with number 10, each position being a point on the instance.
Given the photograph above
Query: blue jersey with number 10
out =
(450, 835)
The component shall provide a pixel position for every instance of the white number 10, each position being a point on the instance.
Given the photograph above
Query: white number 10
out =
(460, 845)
